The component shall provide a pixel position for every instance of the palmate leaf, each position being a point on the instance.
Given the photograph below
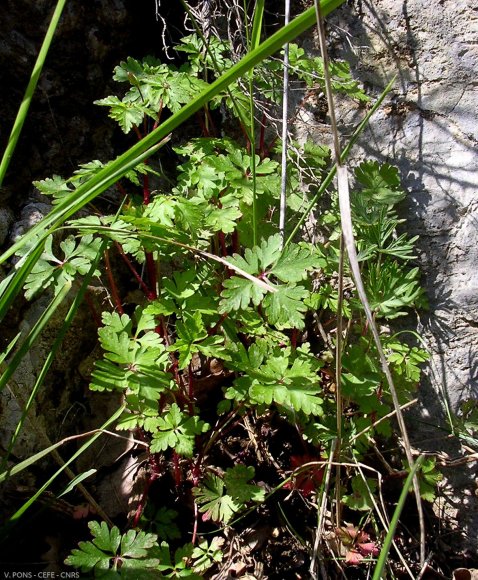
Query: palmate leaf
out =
(392, 289)
(177, 431)
(277, 376)
(108, 549)
(205, 555)
(201, 56)
(51, 270)
(193, 337)
(156, 85)
(295, 262)
(225, 217)
(362, 376)
(238, 293)
(177, 566)
(404, 359)
(236, 480)
(55, 186)
(213, 502)
(286, 308)
(381, 183)
(293, 395)
(223, 170)
(361, 499)
(220, 498)
(126, 114)
(135, 361)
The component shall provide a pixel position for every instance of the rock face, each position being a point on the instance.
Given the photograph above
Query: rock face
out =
(429, 128)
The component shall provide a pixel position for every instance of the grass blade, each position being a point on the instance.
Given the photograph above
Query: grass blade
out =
(30, 90)
(33, 335)
(54, 349)
(345, 153)
(257, 24)
(382, 559)
(83, 448)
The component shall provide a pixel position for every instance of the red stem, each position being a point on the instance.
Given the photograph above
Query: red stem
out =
(149, 295)
(112, 283)
(204, 129)
(151, 267)
(196, 520)
(235, 241)
(293, 338)
(94, 312)
(138, 132)
(217, 326)
(156, 471)
(121, 189)
(190, 389)
(146, 190)
(222, 243)
(177, 471)
(211, 122)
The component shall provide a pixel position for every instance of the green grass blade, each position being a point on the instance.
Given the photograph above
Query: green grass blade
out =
(76, 481)
(330, 176)
(253, 41)
(16, 279)
(9, 348)
(83, 448)
(55, 347)
(257, 24)
(33, 335)
(30, 90)
(19, 467)
(382, 559)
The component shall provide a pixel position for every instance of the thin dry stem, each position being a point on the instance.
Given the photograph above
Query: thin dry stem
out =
(347, 232)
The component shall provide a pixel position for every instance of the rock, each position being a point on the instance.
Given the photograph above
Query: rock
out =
(6, 219)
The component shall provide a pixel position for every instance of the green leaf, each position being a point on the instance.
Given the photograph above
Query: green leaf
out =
(213, 502)
(193, 337)
(392, 289)
(55, 186)
(381, 183)
(428, 479)
(50, 270)
(126, 114)
(277, 377)
(286, 308)
(238, 293)
(236, 481)
(220, 499)
(361, 499)
(162, 522)
(177, 431)
(108, 548)
(294, 263)
(136, 544)
(206, 555)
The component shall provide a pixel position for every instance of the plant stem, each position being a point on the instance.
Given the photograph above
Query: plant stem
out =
(112, 284)
(285, 115)
(149, 294)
